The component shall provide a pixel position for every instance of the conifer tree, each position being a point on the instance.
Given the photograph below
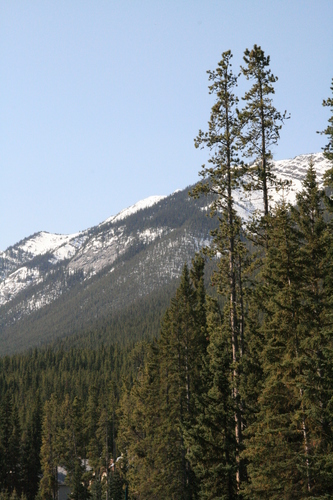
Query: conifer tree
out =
(79, 487)
(220, 179)
(161, 405)
(31, 446)
(181, 348)
(272, 442)
(50, 459)
(13, 458)
(289, 444)
(211, 438)
(139, 421)
(5, 432)
(115, 487)
(316, 309)
(10, 442)
(328, 149)
(69, 431)
(261, 122)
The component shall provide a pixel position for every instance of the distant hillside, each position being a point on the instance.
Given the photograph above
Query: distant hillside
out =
(124, 269)
(88, 278)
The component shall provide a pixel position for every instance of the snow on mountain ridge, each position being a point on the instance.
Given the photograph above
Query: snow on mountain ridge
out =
(140, 205)
(293, 170)
(45, 242)
(92, 250)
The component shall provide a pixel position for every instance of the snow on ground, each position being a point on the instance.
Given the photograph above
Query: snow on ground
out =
(140, 205)
(149, 235)
(44, 242)
(293, 170)
(64, 252)
(17, 281)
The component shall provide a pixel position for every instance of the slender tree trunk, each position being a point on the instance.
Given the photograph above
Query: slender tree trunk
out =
(241, 304)
(304, 429)
(263, 153)
(233, 313)
(107, 462)
(306, 446)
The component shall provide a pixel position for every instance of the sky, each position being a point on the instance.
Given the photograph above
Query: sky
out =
(100, 101)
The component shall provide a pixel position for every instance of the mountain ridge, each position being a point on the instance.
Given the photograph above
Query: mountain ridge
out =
(130, 255)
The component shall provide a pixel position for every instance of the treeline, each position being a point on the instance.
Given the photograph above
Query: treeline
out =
(234, 398)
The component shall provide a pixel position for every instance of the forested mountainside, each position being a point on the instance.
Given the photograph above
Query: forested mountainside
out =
(232, 399)
(59, 285)
(89, 278)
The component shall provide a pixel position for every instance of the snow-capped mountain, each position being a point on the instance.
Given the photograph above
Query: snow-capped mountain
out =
(78, 278)
(88, 251)
(294, 171)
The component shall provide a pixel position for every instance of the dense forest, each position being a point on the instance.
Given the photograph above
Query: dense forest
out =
(234, 397)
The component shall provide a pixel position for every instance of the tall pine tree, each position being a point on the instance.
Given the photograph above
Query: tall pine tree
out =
(220, 179)
(261, 122)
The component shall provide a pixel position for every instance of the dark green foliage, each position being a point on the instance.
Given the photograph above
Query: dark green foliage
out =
(328, 149)
(211, 437)
(161, 405)
(116, 486)
(10, 440)
(289, 444)
(79, 489)
(220, 179)
(31, 445)
(139, 420)
(261, 122)
(73, 387)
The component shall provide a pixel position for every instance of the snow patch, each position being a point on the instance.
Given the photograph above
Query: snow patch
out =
(45, 242)
(140, 205)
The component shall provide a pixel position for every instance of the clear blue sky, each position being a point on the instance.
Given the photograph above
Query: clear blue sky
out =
(100, 100)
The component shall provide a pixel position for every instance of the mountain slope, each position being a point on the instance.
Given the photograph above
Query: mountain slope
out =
(52, 286)
(49, 290)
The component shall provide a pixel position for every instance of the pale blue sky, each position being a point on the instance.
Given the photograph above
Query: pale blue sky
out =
(100, 100)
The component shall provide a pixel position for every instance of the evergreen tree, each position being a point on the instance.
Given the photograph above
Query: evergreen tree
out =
(13, 458)
(272, 442)
(95, 491)
(31, 446)
(79, 487)
(289, 444)
(316, 362)
(211, 438)
(50, 456)
(10, 441)
(328, 149)
(104, 438)
(155, 414)
(139, 421)
(220, 179)
(261, 120)
(116, 491)
(182, 348)
(5, 432)
(71, 432)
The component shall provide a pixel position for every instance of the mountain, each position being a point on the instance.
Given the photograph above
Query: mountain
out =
(53, 286)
